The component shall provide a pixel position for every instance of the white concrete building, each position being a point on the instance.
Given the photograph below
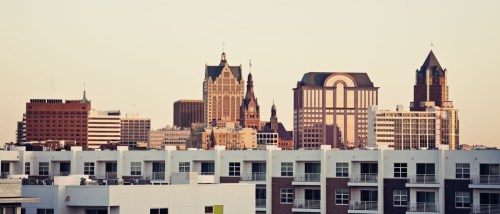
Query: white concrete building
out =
(286, 181)
(104, 127)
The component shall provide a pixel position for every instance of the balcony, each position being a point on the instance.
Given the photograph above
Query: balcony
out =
(363, 179)
(260, 203)
(4, 175)
(425, 207)
(305, 205)
(427, 181)
(484, 208)
(156, 176)
(363, 207)
(110, 175)
(307, 179)
(485, 181)
(253, 176)
(61, 173)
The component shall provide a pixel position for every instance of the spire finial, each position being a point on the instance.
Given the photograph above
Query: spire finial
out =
(223, 47)
(250, 65)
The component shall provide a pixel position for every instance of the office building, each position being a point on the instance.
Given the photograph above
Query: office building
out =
(332, 109)
(223, 90)
(104, 128)
(169, 136)
(231, 136)
(57, 120)
(187, 112)
(135, 130)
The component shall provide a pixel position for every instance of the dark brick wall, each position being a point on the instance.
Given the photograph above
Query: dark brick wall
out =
(229, 179)
(450, 187)
(333, 184)
(278, 183)
(389, 186)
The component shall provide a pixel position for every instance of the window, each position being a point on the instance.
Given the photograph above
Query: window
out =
(400, 198)
(342, 170)
(135, 168)
(425, 169)
(96, 211)
(342, 197)
(209, 210)
(27, 168)
(158, 211)
(184, 166)
(44, 211)
(400, 170)
(286, 196)
(462, 199)
(489, 169)
(462, 170)
(88, 168)
(23, 210)
(207, 168)
(234, 168)
(287, 169)
(43, 168)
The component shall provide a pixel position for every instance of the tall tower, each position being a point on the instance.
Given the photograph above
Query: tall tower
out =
(250, 110)
(430, 85)
(223, 90)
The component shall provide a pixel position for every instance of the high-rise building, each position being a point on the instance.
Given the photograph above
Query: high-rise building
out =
(53, 119)
(104, 128)
(187, 112)
(21, 130)
(250, 110)
(223, 90)
(332, 108)
(275, 134)
(169, 136)
(431, 85)
(134, 130)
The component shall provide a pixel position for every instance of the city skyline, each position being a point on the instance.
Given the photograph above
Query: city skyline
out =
(128, 63)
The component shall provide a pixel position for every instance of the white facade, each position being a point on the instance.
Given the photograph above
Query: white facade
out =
(360, 173)
(104, 127)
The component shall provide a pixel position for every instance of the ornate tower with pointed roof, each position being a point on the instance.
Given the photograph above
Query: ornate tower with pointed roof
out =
(430, 85)
(223, 90)
(249, 109)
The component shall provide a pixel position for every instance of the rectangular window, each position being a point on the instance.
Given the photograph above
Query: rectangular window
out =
(462, 199)
(342, 170)
(184, 166)
(342, 197)
(135, 168)
(400, 198)
(27, 168)
(287, 169)
(88, 168)
(96, 211)
(158, 211)
(44, 211)
(207, 168)
(286, 195)
(43, 168)
(234, 168)
(400, 170)
(462, 170)
(209, 210)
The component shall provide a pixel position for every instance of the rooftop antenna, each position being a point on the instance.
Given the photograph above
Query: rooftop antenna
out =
(250, 64)
(432, 45)
(223, 47)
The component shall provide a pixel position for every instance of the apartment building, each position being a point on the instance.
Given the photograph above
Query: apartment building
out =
(294, 181)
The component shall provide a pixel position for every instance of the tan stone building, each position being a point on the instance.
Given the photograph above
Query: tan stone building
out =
(230, 136)
(169, 136)
(223, 90)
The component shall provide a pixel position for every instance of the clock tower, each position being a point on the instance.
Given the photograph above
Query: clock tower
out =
(249, 109)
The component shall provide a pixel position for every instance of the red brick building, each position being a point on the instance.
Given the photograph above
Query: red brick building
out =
(187, 112)
(53, 119)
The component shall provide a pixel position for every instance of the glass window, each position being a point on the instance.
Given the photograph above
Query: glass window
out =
(209, 209)
(425, 169)
(462, 170)
(400, 198)
(287, 169)
(184, 166)
(342, 170)
(135, 168)
(88, 168)
(27, 168)
(207, 168)
(158, 211)
(43, 168)
(342, 197)
(286, 196)
(462, 199)
(234, 168)
(400, 170)
(96, 211)
(44, 211)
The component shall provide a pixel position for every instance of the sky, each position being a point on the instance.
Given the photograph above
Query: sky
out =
(142, 56)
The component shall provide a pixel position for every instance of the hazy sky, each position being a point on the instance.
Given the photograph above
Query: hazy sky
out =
(141, 56)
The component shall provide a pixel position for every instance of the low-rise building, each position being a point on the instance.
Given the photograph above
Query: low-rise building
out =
(230, 136)
(169, 136)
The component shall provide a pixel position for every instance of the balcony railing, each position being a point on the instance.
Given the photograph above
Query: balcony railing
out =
(308, 177)
(253, 176)
(111, 175)
(62, 173)
(485, 208)
(423, 207)
(363, 205)
(4, 175)
(156, 176)
(260, 203)
(486, 179)
(306, 204)
(423, 179)
(206, 173)
(364, 178)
